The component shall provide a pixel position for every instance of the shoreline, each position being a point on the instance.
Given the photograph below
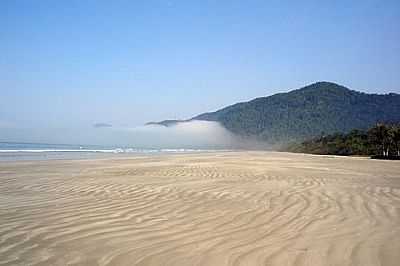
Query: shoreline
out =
(93, 155)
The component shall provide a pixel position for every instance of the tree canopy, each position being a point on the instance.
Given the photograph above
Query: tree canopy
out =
(381, 140)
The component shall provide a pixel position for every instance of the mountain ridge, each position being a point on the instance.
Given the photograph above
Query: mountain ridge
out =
(319, 108)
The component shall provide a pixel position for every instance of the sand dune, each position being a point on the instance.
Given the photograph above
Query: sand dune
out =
(233, 208)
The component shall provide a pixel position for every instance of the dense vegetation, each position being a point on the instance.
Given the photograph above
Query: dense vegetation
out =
(322, 107)
(381, 140)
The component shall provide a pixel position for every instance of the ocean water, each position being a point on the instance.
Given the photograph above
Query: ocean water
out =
(16, 151)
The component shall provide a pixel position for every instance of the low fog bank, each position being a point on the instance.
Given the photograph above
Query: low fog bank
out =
(185, 135)
(190, 135)
(193, 134)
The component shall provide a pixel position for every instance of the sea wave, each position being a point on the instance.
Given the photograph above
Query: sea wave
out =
(118, 150)
(56, 150)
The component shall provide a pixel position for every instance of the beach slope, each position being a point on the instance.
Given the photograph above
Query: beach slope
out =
(228, 208)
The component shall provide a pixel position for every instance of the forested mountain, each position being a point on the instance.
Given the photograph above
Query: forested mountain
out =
(320, 108)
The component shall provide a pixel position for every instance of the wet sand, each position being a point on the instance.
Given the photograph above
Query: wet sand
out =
(232, 208)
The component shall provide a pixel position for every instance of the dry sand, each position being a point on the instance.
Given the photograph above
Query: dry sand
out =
(233, 208)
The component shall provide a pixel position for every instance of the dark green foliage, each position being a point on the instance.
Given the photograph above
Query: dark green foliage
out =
(382, 140)
(394, 136)
(354, 143)
(307, 112)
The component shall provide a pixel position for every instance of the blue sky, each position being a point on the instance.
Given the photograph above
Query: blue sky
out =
(66, 65)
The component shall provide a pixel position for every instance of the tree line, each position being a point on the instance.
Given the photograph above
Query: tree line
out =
(380, 141)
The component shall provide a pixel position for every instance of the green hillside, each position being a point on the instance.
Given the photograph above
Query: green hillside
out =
(320, 108)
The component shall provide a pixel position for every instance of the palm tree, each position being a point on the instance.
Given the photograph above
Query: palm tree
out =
(394, 134)
(379, 135)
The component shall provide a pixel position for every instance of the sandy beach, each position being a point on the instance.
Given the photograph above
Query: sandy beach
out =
(227, 208)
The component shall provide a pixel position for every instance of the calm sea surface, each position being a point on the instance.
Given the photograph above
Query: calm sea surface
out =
(15, 151)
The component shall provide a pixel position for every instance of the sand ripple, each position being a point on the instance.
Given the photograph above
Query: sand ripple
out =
(243, 208)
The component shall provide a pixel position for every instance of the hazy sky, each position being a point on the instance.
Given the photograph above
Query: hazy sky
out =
(66, 65)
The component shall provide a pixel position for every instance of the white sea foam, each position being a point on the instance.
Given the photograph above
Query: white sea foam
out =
(59, 150)
(118, 150)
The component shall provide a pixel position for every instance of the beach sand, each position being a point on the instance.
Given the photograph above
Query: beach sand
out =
(227, 208)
